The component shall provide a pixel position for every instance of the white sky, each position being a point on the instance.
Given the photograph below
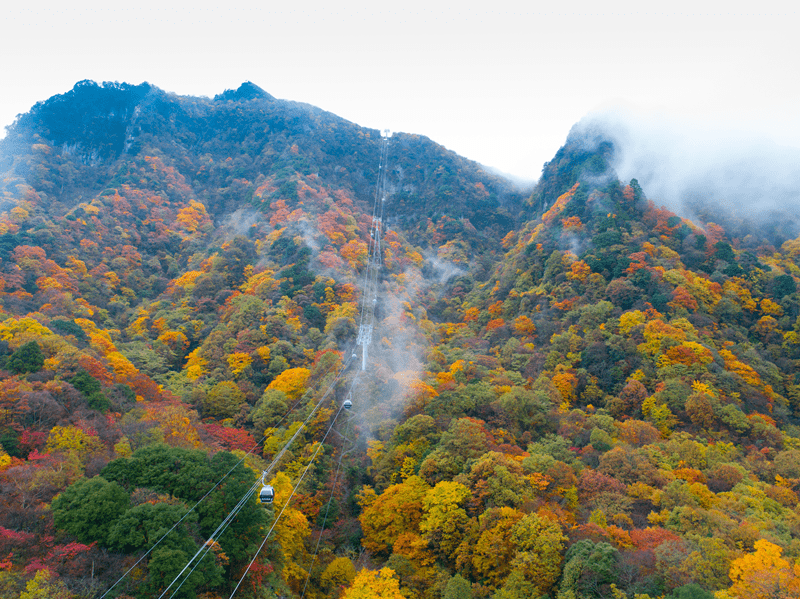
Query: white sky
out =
(498, 84)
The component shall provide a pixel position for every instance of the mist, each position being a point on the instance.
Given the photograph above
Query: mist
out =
(398, 354)
(697, 168)
(237, 223)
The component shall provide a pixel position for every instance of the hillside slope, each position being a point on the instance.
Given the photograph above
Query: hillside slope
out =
(571, 393)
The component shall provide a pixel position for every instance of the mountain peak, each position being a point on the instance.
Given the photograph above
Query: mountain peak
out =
(585, 156)
(89, 119)
(246, 91)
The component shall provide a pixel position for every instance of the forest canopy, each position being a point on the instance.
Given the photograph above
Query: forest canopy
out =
(570, 392)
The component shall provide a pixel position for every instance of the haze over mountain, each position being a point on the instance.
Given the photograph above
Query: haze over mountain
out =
(571, 392)
(686, 163)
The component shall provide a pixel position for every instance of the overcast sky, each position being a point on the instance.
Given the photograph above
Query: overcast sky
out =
(496, 83)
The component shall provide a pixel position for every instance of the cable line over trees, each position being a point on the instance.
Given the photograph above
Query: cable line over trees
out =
(288, 500)
(113, 471)
(370, 292)
(367, 319)
(212, 540)
(367, 322)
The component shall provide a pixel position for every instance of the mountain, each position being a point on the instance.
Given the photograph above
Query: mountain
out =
(570, 392)
(94, 130)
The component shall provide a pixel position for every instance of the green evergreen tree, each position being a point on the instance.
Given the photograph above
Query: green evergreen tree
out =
(90, 387)
(89, 508)
(28, 358)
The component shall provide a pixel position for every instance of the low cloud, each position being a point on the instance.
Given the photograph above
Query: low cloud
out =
(686, 164)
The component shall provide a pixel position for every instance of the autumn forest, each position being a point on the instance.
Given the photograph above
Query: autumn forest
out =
(571, 391)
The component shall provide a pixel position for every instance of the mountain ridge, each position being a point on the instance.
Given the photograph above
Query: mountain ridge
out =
(146, 110)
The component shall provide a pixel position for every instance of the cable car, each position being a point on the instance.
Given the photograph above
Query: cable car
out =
(347, 404)
(267, 494)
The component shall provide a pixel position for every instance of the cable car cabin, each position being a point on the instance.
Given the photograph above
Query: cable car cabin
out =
(267, 494)
(347, 404)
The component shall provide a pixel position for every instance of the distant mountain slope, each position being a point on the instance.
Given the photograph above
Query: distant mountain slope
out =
(227, 146)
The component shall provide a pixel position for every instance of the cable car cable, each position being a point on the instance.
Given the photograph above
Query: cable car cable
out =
(288, 500)
(211, 539)
(174, 526)
(227, 474)
(224, 524)
(375, 247)
(302, 426)
(241, 503)
(327, 511)
(370, 289)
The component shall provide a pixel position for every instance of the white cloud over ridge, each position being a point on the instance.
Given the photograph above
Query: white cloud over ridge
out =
(681, 162)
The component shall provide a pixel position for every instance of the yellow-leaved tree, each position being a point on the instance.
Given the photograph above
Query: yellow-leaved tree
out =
(763, 574)
(292, 382)
(445, 520)
(540, 547)
(371, 584)
(395, 511)
(45, 586)
(238, 362)
(494, 551)
(291, 532)
(339, 573)
(72, 440)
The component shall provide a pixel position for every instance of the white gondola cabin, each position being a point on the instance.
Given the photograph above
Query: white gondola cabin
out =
(267, 494)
